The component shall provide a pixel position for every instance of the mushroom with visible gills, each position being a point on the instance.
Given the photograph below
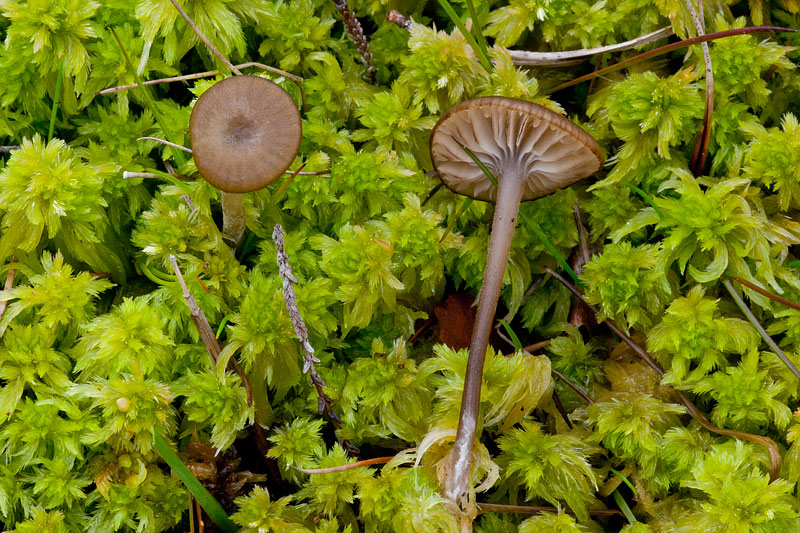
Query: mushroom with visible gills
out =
(245, 132)
(532, 152)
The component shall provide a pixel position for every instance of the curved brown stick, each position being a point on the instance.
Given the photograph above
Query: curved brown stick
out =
(674, 46)
(764, 292)
(187, 77)
(205, 40)
(691, 408)
(344, 468)
(571, 385)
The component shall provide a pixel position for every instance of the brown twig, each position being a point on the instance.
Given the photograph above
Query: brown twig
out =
(433, 191)
(572, 386)
(764, 292)
(162, 141)
(285, 185)
(6, 149)
(533, 288)
(7, 286)
(344, 468)
(761, 331)
(691, 408)
(669, 48)
(535, 509)
(560, 408)
(187, 77)
(204, 328)
(536, 346)
(700, 152)
(289, 298)
(354, 30)
(420, 329)
(203, 38)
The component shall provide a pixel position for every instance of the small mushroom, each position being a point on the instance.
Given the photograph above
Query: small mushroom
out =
(532, 152)
(245, 133)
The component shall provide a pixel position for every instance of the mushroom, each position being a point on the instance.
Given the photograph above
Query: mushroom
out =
(532, 152)
(245, 132)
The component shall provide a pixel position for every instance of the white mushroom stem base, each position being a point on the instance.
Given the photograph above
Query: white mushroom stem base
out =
(509, 195)
(233, 218)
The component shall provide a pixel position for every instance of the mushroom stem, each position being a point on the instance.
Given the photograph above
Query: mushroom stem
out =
(233, 218)
(509, 195)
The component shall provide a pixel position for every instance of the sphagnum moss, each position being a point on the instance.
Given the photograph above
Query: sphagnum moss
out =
(96, 357)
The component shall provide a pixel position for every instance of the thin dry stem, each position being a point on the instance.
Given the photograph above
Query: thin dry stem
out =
(761, 331)
(560, 409)
(344, 468)
(536, 346)
(204, 328)
(555, 59)
(186, 77)
(691, 408)
(670, 47)
(764, 292)
(6, 149)
(162, 141)
(572, 386)
(203, 38)
(534, 287)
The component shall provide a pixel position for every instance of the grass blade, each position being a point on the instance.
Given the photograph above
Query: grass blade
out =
(56, 100)
(481, 54)
(531, 224)
(517, 344)
(211, 505)
(647, 198)
(623, 506)
(552, 249)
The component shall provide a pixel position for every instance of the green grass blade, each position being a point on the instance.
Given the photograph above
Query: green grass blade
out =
(517, 344)
(464, 206)
(623, 506)
(481, 166)
(531, 225)
(211, 505)
(151, 105)
(477, 28)
(647, 198)
(624, 480)
(56, 101)
(552, 249)
(482, 55)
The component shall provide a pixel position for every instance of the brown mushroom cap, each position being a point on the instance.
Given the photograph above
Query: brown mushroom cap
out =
(245, 133)
(511, 136)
